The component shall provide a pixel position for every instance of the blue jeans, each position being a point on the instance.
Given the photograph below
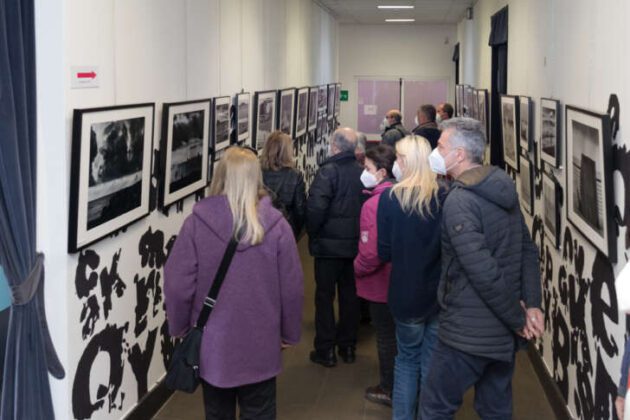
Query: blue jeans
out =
(453, 372)
(416, 340)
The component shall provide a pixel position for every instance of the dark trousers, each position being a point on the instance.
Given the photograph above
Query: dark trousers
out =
(331, 273)
(452, 372)
(385, 343)
(255, 401)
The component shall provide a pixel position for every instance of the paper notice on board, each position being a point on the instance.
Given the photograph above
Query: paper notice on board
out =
(369, 109)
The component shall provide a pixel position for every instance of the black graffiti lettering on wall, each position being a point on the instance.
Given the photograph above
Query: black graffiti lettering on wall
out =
(605, 392)
(83, 282)
(603, 275)
(168, 345)
(144, 288)
(621, 163)
(111, 282)
(560, 348)
(140, 361)
(110, 340)
(583, 395)
(567, 245)
(151, 249)
(89, 316)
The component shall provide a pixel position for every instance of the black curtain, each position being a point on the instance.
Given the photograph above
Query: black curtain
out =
(498, 41)
(456, 60)
(30, 355)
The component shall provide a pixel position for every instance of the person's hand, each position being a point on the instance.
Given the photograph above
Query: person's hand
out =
(535, 322)
(619, 404)
(284, 345)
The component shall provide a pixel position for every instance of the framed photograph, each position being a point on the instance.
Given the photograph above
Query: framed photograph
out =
(322, 98)
(552, 197)
(286, 111)
(526, 187)
(526, 123)
(550, 132)
(264, 117)
(331, 101)
(221, 129)
(482, 111)
(241, 103)
(321, 126)
(589, 177)
(301, 118)
(470, 101)
(337, 99)
(184, 149)
(509, 124)
(459, 100)
(110, 174)
(312, 109)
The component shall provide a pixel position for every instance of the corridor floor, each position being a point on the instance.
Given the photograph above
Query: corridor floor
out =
(309, 391)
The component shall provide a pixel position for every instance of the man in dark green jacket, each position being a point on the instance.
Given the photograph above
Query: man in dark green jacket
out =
(490, 289)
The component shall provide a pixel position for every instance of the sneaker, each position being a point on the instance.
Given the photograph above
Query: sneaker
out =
(378, 395)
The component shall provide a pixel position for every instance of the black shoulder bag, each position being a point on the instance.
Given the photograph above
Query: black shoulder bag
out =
(183, 373)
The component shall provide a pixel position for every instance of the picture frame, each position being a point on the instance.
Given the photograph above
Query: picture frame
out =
(221, 125)
(286, 111)
(470, 101)
(589, 177)
(337, 99)
(551, 200)
(322, 98)
(312, 108)
(459, 100)
(509, 125)
(331, 101)
(110, 171)
(526, 123)
(184, 149)
(242, 105)
(526, 185)
(301, 118)
(550, 132)
(264, 117)
(482, 111)
(321, 126)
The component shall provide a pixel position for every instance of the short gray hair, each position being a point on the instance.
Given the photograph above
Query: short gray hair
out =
(345, 139)
(467, 133)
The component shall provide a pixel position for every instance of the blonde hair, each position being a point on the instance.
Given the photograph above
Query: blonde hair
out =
(278, 152)
(418, 185)
(239, 178)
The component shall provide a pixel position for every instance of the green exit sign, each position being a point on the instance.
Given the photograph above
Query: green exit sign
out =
(343, 96)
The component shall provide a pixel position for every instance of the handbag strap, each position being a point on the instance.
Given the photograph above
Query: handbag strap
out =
(211, 299)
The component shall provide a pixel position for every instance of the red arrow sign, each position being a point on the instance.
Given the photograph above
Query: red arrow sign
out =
(90, 75)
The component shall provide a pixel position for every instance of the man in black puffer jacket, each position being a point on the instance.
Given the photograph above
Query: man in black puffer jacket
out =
(332, 222)
(490, 287)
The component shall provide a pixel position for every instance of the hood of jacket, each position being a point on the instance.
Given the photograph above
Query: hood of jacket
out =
(491, 183)
(214, 212)
(339, 157)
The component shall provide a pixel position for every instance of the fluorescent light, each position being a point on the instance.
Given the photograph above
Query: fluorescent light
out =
(400, 20)
(395, 7)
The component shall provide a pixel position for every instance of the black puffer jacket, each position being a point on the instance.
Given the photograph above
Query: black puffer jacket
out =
(394, 133)
(288, 193)
(333, 207)
(430, 132)
(489, 264)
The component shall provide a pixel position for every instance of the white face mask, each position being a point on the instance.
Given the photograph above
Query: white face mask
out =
(397, 171)
(368, 179)
(384, 124)
(438, 163)
(415, 120)
(438, 118)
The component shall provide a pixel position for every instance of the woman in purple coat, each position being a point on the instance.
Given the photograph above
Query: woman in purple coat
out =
(259, 307)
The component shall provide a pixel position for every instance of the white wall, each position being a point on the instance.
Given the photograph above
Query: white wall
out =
(574, 51)
(391, 52)
(147, 51)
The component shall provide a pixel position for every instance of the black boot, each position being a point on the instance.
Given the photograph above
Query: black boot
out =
(347, 354)
(324, 357)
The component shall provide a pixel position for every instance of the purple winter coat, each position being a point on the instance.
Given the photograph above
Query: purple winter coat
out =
(259, 304)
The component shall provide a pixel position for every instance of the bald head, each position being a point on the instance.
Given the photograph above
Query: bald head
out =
(343, 140)
(393, 116)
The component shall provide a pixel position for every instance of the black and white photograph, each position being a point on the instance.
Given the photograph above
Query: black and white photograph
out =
(331, 101)
(321, 126)
(526, 185)
(550, 131)
(589, 177)
(551, 209)
(184, 149)
(286, 111)
(470, 101)
(322, 98)
(312, 109)
(110, 170)
(242, 116)
(509, 124)
(526, 123)
(264, 116)
(221, 132)
(482, 111)
(301, 118)
(459, 100)
(337, 99)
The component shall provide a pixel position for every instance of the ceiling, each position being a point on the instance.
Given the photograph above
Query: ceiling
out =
(425, 12)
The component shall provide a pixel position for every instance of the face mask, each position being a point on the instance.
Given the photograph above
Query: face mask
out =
(368, 179)
(383, 125)
(397, 171)
(415, 120)
(438, 163)
(438, 118)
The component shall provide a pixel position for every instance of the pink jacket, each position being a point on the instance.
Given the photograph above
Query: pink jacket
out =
(372, 275)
